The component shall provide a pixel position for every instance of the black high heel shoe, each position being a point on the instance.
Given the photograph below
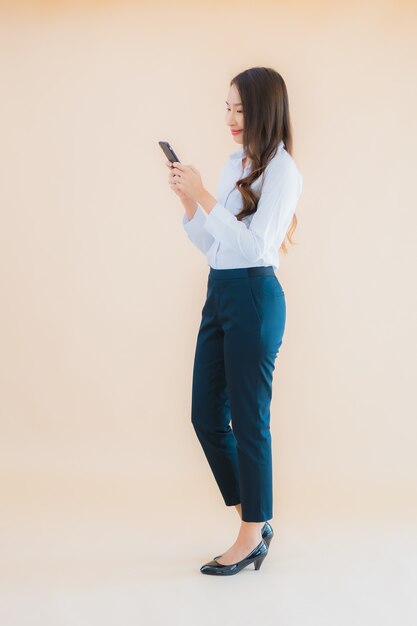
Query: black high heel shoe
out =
(267, 534)
(218, 569)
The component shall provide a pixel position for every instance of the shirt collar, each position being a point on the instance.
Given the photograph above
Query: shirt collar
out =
(238, 154)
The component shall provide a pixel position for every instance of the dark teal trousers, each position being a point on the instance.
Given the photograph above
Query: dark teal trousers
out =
(241, 331)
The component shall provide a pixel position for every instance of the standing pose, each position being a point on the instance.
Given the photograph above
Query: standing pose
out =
(241, 231)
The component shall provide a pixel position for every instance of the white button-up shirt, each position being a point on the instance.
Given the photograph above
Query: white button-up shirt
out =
(255, 240)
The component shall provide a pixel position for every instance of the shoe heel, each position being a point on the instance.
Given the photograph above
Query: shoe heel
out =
(258, 562)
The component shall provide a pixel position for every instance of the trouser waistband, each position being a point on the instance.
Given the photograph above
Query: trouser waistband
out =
(242, 272)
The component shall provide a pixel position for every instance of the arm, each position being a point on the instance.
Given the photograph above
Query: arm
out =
(281, 189)
(194, 228)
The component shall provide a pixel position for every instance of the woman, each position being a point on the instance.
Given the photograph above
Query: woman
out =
(241, 230)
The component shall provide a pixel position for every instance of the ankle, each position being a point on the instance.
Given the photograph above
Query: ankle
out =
(248, 536)
(248, 543)
(239, 509)
(251, 526)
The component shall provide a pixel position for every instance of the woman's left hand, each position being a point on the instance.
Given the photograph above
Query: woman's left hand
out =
(187, 178)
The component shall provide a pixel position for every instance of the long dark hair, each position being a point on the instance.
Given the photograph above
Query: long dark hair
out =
(264, 98)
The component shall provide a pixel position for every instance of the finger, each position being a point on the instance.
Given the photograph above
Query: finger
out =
(179, 166)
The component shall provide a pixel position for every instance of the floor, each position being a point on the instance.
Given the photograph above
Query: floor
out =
(79, 562)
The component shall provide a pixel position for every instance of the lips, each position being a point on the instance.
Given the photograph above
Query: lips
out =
(235, 132)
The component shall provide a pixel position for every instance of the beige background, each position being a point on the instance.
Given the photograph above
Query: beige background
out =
(102, 478)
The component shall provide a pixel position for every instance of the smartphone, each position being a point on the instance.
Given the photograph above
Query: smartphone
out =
(169, 152)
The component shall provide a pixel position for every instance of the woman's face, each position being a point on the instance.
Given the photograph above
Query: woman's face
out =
(234, 114)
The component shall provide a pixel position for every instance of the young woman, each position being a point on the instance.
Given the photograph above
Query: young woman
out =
(240, 230)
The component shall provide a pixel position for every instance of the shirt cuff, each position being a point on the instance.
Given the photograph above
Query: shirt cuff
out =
(217, 219)
(196, 223)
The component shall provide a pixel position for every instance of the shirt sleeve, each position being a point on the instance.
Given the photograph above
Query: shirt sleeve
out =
(194, 228)
(281, 189)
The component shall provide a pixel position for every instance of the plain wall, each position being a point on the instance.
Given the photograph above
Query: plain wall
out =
(102, 291)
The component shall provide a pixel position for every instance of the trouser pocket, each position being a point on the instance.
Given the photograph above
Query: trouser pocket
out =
(265, 292)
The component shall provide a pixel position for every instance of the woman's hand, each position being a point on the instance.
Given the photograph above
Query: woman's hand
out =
(172, 183)
(186, 180)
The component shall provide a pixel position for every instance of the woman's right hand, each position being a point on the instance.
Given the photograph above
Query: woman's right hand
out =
(171, 181)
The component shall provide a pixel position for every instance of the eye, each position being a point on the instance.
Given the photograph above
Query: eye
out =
(227, 109)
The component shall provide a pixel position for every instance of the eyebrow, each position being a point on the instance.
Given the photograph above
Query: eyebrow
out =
(235, 105)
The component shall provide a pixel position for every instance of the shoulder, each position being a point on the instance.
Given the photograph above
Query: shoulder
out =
(283, 162)
(283, 169)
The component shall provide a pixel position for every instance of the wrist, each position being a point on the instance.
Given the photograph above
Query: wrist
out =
(189, 203)
(206, 200)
